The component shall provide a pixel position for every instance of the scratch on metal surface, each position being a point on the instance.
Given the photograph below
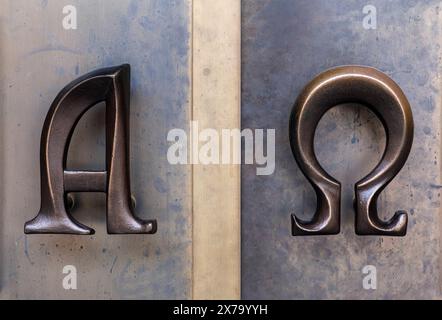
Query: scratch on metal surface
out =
(113, 264)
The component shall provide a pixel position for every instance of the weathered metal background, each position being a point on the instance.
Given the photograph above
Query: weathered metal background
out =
(285, 44)
(37, 58)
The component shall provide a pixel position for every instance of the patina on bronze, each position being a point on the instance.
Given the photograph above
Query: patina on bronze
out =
(112, 86)
(375, 90)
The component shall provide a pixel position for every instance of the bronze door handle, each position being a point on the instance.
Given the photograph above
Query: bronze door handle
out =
(384, 97)
(111, 85)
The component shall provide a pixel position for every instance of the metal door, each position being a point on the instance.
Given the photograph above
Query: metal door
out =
(38, 57)
(286, 44)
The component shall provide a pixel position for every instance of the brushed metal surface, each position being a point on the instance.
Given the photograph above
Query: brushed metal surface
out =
(37, 59)
(285, 44)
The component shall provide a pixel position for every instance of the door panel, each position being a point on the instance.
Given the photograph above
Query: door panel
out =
(285, 45)
(38, 57)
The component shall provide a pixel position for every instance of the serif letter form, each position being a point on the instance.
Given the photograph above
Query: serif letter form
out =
(374, 89)
(112, 86)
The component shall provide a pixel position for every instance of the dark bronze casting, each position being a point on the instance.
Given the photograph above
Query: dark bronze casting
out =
(111, 85)
(384, 97)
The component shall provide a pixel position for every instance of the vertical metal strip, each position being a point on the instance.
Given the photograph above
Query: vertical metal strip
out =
(216, 95)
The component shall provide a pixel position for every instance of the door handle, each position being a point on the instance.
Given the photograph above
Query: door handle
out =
(112, 86)
(375, 90)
